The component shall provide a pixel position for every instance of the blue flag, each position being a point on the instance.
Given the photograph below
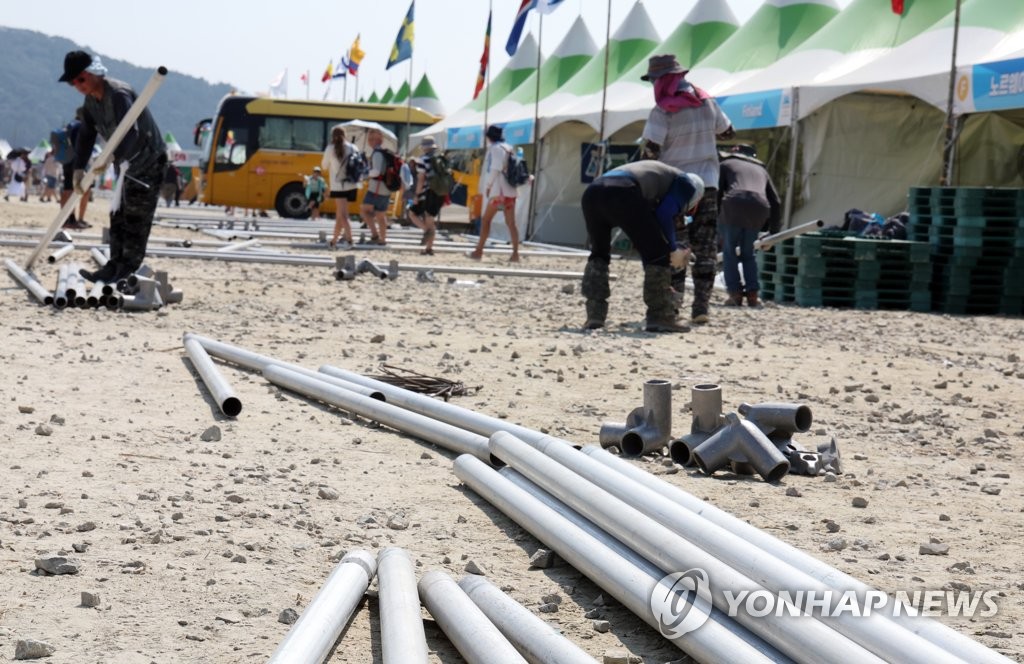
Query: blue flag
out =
(402, 50)
(542, 6)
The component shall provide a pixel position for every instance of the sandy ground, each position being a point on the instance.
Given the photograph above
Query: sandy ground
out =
(195, 548)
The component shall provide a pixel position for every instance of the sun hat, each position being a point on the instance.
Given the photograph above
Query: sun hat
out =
(660, 65)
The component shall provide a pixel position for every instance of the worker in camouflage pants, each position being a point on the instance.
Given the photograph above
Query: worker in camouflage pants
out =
(701, 238)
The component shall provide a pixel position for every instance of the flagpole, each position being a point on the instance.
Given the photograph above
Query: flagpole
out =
(408, 107)
(537, 143)
(604, 89)
(487, 88)
(949, 148)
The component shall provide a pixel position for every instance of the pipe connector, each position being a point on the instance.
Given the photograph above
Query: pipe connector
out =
(743, 442)
(681, 449)
(647, 428)
(346, 268)
(779, 421)
(145, 298)
(366, 265)
(706, 406)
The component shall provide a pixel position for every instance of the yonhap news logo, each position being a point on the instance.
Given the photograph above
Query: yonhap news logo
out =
(681, 602)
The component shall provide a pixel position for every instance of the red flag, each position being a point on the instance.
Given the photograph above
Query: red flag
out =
(897, 6)
(485, 60)
(305, 77)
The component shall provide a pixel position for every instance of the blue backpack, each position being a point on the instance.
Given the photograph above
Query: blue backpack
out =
(356, 166)
(63, 147)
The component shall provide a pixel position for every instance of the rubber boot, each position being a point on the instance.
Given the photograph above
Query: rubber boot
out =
(753, 301)
(661, 310)
(597, 291)
(735, 299)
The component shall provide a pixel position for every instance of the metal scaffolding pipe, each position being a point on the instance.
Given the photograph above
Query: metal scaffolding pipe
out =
(536, 640)
(465, 625)
(238, 246)
(29, 282)
(96, 297)
(669, 551)
(401, 627)
(60, 253)
(256, 362)
(874, 632)
(950, 640)
(312, 637)
(60, 295)
(226, 399)
(769, 240)
(444, 435)
(628, 583)
(443, 411)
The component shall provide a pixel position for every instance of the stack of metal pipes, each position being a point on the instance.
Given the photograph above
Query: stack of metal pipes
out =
(675, 561)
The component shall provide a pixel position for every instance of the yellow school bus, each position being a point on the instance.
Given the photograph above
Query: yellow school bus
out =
(257, 151)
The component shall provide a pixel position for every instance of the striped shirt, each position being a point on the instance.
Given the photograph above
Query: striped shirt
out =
(687, 138)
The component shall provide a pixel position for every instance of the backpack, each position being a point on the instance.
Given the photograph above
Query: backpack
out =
(441, 179)
(517, 173)
(356, 167)
(392, 175)
(63, 148)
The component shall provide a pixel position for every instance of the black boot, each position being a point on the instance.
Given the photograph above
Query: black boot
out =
(109, 273)
(596, 289)
(661, 310)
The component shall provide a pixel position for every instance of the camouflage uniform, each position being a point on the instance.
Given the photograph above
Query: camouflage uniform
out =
(701, 236)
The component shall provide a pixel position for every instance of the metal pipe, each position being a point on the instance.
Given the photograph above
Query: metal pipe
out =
(76, 287)
(60, 253)
(706, 407)
(29, 282)
(60, 295)
(654, 426)
(98, 256)
(445, 435)
(256, 362)
(799, 229)
(312, 637)
(536, 640)
(743, 442)
(945, 638)
(669, 551)
(786, 418)
(465, 625)
(96, 297)
(681, 449)
(237, 246)
(401, 627)
(226, 399)
(627, 582)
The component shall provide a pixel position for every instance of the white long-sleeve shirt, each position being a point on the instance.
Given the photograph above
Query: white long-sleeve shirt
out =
(495, 183)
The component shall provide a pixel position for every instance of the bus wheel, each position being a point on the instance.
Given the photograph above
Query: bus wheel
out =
(291, 202)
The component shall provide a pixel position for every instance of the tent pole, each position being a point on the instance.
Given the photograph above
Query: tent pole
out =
(604, 90)
(794, 143)
(950, 143)
(537, 143)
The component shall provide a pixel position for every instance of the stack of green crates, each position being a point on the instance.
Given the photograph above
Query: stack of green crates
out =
(977, 245)
(831, 269)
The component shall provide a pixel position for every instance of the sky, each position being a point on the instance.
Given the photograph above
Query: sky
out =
(248, 43)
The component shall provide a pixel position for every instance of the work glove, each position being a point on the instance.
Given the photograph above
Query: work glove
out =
(678, 258)
(76, 179)
(99, 167)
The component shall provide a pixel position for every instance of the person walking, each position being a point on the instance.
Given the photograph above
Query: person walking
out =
(748, 204)
(644, 199)
(499, 194)
(378, 196)
(141, 154)
(427, 194)
(17, 184)
(681, 131)
(344, 165)
(51, 170)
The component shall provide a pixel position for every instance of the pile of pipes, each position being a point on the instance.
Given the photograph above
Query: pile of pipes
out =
(484, 624)
(761, 443)
(699, 575)
(347, 268)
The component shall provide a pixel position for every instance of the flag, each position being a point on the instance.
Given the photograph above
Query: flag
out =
(305, 77)
(328, 73)
(402, 50)
(341, 71)
(542, 6)
(897, 6)
(279, 86)
(485, 60)
(355, 54)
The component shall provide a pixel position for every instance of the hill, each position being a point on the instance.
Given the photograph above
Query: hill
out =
(33, 102)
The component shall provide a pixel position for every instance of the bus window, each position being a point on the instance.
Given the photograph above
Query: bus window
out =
(292, 134)
(231, 147)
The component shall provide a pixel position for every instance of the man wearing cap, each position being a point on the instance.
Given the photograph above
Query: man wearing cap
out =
(645, 199)
(681, 131)
(107, 101)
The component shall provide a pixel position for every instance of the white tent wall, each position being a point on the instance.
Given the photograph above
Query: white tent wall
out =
(558, 218)
(989, 150)
(864, 151)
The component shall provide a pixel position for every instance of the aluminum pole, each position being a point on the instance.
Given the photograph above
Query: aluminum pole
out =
(311, 639)
(535, 639)
(105, 157)
(402, 638)
(628, 583)
(441, 434)
(60, 295)
(874, 632)
(215, 382)
(465, 625)
(671, 552)
(955, 643)
(60, 253)
(37, 290)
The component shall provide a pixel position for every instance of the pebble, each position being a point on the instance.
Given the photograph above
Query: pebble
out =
(934, 549)
(829, 477)
(793, 492)
(943, 517)
(44, 430)
(86, 527)
(57, 419)
(211, 435)
(601, 626)
(473, 567)
(397, 522)
(832, 526)
(548, 608)
(235, 498)
(837, 544)
(542, 559)
(569, 289)
(27, 410)
(377, 339)
(57, 564)
(551, 598)
(327, 493)
(32, 649)
(860, 502)
(620, 656)
(991, 490)
(90, 599)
